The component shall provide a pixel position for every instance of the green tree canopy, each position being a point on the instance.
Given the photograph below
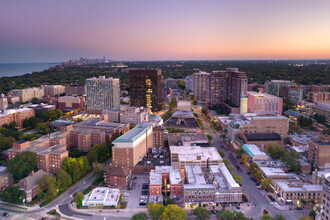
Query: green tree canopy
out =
(22, 164)
(140, 216)
(155, 210)
(174, 212)
(13, 194)
(201, 213)
(98, 170)
(63, 180)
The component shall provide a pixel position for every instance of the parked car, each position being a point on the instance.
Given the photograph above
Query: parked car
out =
(145, 192)
(126, 194)
(5, 214)
(248, 173)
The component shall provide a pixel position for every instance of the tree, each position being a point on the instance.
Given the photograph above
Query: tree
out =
(63, 180)
(78, 198)
(201, 213)
(91, 156)
(13, 194)
(174, 212)
(275, 151)
(140, 216)
(267, 184)
(155, 210)
(222, 154)
(98, 170)
(48, 184)
(312, 214)
(182, 84)
(209, 137)
(73, 168)
(266, 217)
(245, 158)
(237, 178)
(279, 217)
(22, 164)
(225, 215)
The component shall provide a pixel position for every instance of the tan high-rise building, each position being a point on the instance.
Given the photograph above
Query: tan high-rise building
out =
(28, 94)
(132, 146)
(200, 82)
(54, 90)
(3, 102)
(319, 152)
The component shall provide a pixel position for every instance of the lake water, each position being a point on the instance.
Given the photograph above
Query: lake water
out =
(17, 69)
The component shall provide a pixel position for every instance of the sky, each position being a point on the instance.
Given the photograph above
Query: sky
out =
(56, 31)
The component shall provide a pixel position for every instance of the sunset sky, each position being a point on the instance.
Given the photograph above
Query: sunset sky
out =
(52, 31)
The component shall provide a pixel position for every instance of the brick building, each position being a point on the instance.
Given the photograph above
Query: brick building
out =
(158, 136)
(118, 177)
(319, 152)
(71, 102)
(18, 116)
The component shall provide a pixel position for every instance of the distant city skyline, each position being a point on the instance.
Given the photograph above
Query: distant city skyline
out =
(56, 31)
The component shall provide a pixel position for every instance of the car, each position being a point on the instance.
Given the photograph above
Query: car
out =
(237, 167)
(253, 179)
(248, 173)
(143, 202)
(126, 194)
(299, 208)
(135, 178)
(5, 214)
(145, 192)
(144, 197)
(238, 208)
(145, 182)
(214, 212)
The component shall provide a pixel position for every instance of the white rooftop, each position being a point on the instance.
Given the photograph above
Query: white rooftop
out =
(175, 177)
(155, 178)
(222, 171)
(164, 169)
(103, 196)
(272, 171)
(192, 153)
(288, 186)
(254, 149)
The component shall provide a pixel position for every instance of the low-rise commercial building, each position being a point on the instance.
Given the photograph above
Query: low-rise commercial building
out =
(102, 196)
(42, 107)
(18, 116)
(188, 139)
(183, 120)
(262, 140)
(263, 124)
(293, 191)
(254, 152)
(194, 155)
(320, 109)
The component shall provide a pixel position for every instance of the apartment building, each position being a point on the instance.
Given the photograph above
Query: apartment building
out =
(5, 178)
(320, 88)
(118, 177)
(189, 80)
(319, 97)
(261, 103)
(293, 191)
(71, 102)
(226, 84)
(325, 212)
(75, 90)
(319, 152)
(200, 82)
(171, 83)
(135, 115)
(26, 95)
(274, 87)
(294, 93)
(158, 136)
(16, 115)
(3, 102)
(102, 93)
(54, 90)
(132, 146)
(50, 150)
(146, 87)
(194, 155)
(320, 109)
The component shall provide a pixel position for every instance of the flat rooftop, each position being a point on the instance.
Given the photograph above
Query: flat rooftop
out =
(262, 136)
(133, 134)
(175, 177)
(223, 177)
(191, 153)
(155, 178)
(101, 195)
(184, 123)
(289, 186)
(262, 95)
(272, 172)
(252, 150)
(186, 139)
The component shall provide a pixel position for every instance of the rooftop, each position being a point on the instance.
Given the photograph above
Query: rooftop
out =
(184, 123)
(262, 136)
(155, 178)
(103, 196)
(252, 150)
(133, 134)
(164, 169)
(288, 185)
(175, 177)
(192, 153)
(32, 180)
(271, 172)
(187, 139)
(262, 95)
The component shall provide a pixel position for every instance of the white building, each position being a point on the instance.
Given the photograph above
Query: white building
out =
(200, 85)
(254, 152)
(102, 196)
(184, 105)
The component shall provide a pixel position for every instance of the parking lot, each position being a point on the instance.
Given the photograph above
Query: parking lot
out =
(133, 200)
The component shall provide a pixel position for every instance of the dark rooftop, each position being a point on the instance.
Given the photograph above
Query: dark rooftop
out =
(182, 123)
(262, 137)
(118, 171)
(21, 141)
